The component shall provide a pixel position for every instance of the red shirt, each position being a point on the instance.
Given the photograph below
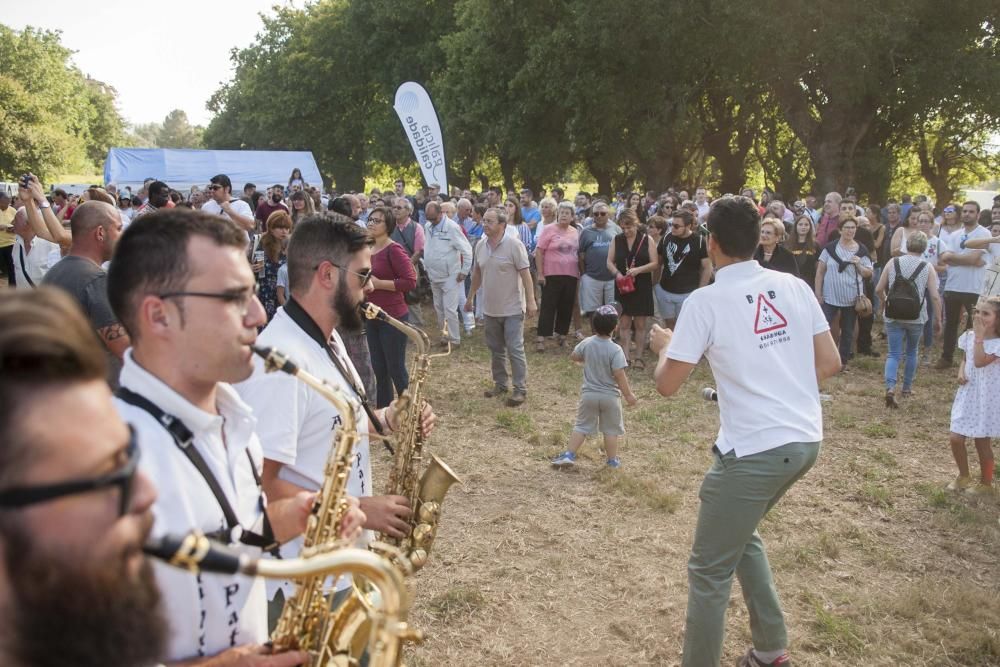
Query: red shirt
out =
(392, 263)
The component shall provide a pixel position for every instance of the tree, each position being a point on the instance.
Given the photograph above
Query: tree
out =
(53, 119)
(177, 132)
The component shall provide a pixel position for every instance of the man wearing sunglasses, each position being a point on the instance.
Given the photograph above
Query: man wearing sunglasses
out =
(329, 272)
(74, 511)
(181, 284)
(222, 203)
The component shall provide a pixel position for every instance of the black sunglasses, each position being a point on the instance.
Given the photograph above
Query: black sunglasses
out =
(123, 478)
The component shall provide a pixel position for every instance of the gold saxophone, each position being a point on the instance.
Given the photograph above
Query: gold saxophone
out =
(389, 630)
(306, 621)
(426, 493)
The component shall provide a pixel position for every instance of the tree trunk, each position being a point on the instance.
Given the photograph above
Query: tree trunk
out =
(507, 169)
(602, 176)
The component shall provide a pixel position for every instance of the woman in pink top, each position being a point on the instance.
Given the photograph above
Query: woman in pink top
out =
(392, 276)
(558, 260)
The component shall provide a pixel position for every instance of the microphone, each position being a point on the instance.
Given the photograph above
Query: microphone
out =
(710, 394)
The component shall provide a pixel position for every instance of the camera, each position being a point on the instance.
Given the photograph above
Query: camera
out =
(25, 180)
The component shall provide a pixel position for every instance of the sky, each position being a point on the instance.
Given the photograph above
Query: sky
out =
(158, 56)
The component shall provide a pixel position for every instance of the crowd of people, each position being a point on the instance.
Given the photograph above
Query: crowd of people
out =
(177, 285)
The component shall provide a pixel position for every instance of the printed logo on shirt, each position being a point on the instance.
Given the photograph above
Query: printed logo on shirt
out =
(769, 323)
(673, 259)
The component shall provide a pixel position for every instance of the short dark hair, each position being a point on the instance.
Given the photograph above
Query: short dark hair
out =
(46, 342)
(604, 320)
(685, 215)
(223, 180)
(390, 220)
(972, 203)
(316, 239)
(59, 192)
(734, 223)
(247, 186)
(157, 187)
(340, 205)
(151, 256)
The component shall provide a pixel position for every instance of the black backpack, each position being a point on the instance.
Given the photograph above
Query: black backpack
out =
(904, 301)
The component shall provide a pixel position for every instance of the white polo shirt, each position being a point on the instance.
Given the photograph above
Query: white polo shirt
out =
(37, 261)
(207, 613)
(756, 326)
(295, 423)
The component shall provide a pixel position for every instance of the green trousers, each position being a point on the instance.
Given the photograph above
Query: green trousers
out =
(735, 496)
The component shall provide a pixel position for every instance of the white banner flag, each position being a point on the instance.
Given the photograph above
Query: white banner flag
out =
(416, 113)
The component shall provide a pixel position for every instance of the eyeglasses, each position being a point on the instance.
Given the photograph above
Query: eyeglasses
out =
(364, 274)
(374, 221)
(241, 297)
(122, 478)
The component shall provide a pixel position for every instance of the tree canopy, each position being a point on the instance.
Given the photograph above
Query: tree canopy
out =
(53, 119)
(632, 93)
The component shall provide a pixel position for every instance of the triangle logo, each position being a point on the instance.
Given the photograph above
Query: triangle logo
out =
(768, 317)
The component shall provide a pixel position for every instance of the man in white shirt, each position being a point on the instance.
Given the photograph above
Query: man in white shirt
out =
(223, 204)
(191, 324)
(701, 201)
(74, 511)
(33, 255)
(769, 346)
(966, 273)
(329, 268)
(447, 259)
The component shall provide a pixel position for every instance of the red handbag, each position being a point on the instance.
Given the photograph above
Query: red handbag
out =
(626, 283)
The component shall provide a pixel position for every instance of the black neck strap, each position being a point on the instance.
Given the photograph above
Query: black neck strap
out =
(308, 325)
(184, 439)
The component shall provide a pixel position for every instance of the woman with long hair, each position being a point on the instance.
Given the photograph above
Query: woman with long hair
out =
(802, 244)
(296, 182)
(903, 231)
(632, 254)
(273, 242)
(392, 276)
(633, 203)
(301, 206)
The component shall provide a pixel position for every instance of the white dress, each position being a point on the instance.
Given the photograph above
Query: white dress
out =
(974, 413)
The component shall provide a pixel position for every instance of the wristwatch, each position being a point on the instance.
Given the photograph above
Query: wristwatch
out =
(45, 204)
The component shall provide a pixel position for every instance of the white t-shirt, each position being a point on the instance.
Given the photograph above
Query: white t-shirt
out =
(213, 207)
(295, 423)
(37, 261)
(207, 613)
(967, 279)
(756, 326)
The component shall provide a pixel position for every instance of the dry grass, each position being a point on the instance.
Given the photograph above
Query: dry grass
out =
(875, 563)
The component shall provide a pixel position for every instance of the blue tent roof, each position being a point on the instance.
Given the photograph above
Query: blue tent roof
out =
(180, 168)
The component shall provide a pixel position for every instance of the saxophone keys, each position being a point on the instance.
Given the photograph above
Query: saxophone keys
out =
(418, 558)
(429, 512)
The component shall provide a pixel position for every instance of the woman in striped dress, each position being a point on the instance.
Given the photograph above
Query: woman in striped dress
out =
(841, 271)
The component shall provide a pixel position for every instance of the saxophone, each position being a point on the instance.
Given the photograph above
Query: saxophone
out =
(426, 493)
(306, 620)
(389, 630)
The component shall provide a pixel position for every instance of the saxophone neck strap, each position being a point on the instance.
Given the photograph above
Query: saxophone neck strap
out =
(309, 326)
(184, 439)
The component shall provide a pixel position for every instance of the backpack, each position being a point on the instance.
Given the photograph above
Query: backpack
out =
(904, 301)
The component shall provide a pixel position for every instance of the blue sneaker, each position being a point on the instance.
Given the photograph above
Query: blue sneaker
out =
(614, 462)
(566, 459)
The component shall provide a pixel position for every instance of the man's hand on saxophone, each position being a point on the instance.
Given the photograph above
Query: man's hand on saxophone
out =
(289, 507)
(387, 514)
(390, 418)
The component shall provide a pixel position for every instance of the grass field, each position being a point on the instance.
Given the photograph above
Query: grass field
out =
(876, 564)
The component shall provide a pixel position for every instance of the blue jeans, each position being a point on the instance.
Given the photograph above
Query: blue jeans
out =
(929, 324)
(388, 350)
(900, 333)
(848, 316)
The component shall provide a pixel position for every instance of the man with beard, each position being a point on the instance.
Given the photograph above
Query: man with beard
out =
(273, 203)
(74, 510)
(329, 272)
(181, 285)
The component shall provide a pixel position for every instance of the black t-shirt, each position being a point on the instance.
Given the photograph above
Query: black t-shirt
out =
(681, 259)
